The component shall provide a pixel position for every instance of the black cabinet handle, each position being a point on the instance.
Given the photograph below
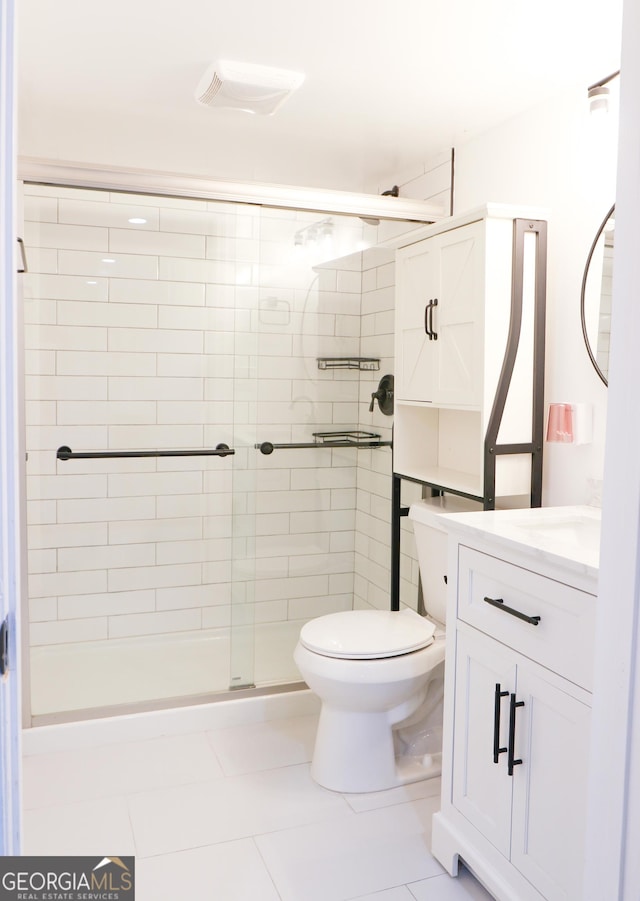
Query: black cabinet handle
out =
(497, 750)
(434, 303)
(511, 762)
(427, 320)
(500, 604)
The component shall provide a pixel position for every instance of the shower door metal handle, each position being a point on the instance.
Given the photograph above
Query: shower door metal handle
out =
(329, 439)
(221, 450)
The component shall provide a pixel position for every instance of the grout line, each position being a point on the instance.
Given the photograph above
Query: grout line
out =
(266, 866)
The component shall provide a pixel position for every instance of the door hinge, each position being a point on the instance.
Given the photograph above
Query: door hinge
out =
(4, 647)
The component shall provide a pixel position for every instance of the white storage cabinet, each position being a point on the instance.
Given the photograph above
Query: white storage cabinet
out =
(453, 313)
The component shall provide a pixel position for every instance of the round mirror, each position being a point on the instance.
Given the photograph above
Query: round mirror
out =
(595, 301)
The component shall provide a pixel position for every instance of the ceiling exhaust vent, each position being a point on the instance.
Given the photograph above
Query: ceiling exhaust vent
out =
(248, 87)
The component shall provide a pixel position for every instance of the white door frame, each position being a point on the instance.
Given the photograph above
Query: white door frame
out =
(10, 443)
(613, 824)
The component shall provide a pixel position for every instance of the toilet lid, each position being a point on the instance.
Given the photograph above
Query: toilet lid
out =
(367, 634)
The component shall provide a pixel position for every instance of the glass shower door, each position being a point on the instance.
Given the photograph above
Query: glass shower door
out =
(135, 539)
(306, 308)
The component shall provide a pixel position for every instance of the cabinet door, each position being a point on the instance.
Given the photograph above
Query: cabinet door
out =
(440, 291)
(481, 788)
(417, 285)
(550, 787)
(458, 316)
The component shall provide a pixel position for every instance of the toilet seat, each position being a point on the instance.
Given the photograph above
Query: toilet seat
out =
(367, 634)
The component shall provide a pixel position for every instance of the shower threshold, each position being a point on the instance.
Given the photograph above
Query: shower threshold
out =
(102, 678)
(165, 704)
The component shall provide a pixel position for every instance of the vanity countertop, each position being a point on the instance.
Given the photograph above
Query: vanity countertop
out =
(566, 538)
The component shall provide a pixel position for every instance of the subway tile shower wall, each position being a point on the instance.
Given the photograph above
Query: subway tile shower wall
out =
(193, 328)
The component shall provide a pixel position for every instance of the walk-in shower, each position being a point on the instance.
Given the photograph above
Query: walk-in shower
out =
(203, 473)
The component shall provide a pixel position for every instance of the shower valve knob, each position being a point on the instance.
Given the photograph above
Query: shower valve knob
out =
(378, 395)
(384, 396)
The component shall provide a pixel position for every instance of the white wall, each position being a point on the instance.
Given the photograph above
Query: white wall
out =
(613, 826)
(557, 157)
(146, 142)
(430, 180)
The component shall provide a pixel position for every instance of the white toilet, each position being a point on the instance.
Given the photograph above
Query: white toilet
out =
(380, 677)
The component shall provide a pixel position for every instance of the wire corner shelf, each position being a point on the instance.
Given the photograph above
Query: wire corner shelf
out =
(368, 364)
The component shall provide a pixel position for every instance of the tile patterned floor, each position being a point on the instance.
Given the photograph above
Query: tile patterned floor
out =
(233, 815)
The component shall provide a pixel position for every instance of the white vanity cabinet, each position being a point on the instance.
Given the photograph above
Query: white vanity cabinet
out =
(454, 320)
(535, 817)
(520, 633)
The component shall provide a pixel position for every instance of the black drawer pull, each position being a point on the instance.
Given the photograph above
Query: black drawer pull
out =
(500, 604)
(497, 750)
(511, 762)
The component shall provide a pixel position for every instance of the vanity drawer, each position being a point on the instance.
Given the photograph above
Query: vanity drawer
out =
(563, 638)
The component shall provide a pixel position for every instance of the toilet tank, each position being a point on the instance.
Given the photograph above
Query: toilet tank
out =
(431, 544)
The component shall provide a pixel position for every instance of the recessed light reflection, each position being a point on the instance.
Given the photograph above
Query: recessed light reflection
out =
(137, 221)
(108, 260)
(92, 283)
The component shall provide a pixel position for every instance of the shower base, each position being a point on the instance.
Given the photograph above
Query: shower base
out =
(160, 668)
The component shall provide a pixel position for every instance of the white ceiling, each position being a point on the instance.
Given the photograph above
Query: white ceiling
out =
(389, 83)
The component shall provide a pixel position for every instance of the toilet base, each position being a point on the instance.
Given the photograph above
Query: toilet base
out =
(415, 769)
(354, 752)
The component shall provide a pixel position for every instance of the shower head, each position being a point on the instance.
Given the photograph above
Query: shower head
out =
(373, 220)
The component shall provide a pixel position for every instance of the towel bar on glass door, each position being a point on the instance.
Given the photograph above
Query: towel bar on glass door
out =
(221, 450)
